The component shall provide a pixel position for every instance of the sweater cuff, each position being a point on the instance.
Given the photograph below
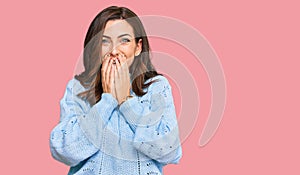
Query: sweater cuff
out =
(107, 105)
(93, 123)
(131, 109)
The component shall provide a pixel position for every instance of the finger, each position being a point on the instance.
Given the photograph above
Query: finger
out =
(118, 69)
(122, 57)
(111, 79)
(103, 84)
(104, 66)
(105, 60)
(124, 67)
(123, 71)
(107, 73)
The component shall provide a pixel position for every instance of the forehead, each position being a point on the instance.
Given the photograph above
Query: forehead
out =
(118, 27)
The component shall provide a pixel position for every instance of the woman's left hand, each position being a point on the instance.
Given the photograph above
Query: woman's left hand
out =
(122, 79)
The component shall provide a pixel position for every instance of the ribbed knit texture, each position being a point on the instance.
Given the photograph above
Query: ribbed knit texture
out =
(137, 138)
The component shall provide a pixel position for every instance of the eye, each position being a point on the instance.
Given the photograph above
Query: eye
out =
(125, 40)
(105, 41)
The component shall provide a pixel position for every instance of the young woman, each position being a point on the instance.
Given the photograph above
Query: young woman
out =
(118, 115)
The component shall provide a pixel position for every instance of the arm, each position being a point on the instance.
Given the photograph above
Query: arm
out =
(78, 134)
(154, 123)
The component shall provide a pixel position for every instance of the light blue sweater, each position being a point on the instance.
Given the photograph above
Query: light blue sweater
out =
(138, 137)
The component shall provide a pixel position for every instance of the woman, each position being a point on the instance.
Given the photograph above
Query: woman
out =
(118, 115)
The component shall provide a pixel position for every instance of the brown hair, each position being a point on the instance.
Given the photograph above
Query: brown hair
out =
(141, 68)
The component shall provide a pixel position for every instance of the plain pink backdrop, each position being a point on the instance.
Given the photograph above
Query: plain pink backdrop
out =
(257, 43)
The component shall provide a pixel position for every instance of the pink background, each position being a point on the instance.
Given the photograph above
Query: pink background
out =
(257, 43)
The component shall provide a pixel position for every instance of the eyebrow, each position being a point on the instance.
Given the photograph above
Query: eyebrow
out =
(118, 36)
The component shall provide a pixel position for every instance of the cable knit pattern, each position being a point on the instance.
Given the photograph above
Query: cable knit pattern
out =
(139, 137)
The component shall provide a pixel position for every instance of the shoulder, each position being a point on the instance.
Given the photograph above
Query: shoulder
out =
(159, 84)
(74, 86)
(159, 79)
(159, 92)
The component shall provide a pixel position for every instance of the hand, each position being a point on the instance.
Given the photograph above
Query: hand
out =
(122, 79)
(107, 76)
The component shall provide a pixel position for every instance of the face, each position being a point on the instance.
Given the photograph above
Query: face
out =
(118, 38)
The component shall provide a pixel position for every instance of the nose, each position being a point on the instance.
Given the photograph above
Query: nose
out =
(115, 51)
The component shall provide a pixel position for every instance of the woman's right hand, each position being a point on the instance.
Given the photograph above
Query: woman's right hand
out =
(107, 76)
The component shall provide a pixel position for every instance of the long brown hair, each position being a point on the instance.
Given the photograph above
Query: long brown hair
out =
(141, 68)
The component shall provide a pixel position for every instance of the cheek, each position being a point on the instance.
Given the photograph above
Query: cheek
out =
(129, 52)
(104, 51)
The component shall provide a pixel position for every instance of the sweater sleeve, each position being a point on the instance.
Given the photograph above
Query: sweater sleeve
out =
(78, 136)
(153, 120)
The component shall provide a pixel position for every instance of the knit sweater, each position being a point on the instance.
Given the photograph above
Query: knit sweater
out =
(138, 137)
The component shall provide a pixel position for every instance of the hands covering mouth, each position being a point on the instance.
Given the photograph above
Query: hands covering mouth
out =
(115, 76)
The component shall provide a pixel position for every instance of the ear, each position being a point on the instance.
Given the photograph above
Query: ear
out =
(138, 48)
